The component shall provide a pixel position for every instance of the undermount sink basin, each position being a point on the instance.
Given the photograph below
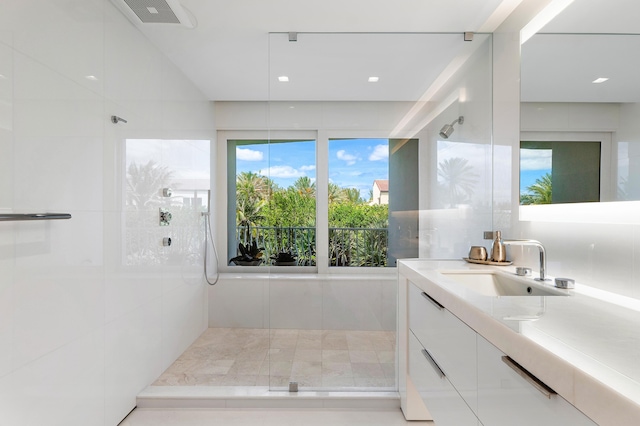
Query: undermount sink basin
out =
(494, 283)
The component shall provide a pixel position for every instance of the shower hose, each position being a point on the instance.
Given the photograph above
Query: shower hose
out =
(208, 236)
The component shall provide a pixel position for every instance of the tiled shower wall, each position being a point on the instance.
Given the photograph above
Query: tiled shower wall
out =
(82, 330)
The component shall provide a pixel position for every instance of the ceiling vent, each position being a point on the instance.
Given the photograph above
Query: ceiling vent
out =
(156, 12)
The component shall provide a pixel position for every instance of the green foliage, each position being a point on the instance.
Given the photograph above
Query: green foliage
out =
(540, 192)
(350, 215)
(252, 191)
(283, 221)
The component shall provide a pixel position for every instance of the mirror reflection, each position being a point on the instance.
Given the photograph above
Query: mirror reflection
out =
(559, 172)
(587, 84)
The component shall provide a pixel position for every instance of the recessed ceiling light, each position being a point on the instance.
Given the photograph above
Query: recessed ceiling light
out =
(91, 77)
(152, 10)
(600, 80)
(283, 79)
(373, 79)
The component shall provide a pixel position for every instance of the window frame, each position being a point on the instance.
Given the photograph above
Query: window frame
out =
(322, 137)
(607, 183)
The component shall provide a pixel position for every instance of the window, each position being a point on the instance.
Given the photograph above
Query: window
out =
(559, 172)
(149, 166)
(371, 187)
(358, 197)
(373, 201)
(272, 188)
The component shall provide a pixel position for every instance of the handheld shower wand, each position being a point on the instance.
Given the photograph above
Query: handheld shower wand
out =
(209, 235)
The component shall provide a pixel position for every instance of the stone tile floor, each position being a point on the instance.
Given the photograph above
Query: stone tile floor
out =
(316, 359)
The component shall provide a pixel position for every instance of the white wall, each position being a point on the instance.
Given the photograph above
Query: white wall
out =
(363, 301)
(81, 332)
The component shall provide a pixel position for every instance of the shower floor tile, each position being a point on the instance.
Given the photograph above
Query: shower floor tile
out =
(334, 359)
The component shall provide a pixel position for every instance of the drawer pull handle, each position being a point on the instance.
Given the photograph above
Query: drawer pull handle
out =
(432, 300)
(433, 363)
(533, 380)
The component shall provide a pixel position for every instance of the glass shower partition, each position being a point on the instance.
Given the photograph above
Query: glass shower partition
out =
(360, 177)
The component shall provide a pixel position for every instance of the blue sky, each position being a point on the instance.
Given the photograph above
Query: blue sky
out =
(534, 163)
(356, 163)
(353, 163)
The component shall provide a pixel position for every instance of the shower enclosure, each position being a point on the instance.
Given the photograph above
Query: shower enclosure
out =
(322, 185)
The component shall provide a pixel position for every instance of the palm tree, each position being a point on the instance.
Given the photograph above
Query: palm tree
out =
(305, 187)
(370, 198)
(458, 179)
(352, 195)
(336, 194)
(252, 192)
(540, 192)
(143, 183)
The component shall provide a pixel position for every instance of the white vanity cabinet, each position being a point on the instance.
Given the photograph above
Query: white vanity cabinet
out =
(443, 401)
(442, 361)
(507, 396)
(463, 380)
(450, 342)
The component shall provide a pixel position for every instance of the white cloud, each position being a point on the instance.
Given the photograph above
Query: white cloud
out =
(248, 154)
(281, 172)
(349, 158)
(380, 152)
(535, 159)
(308, 168)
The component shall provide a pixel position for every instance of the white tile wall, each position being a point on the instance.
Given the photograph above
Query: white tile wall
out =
(316, 303)
(82, 331)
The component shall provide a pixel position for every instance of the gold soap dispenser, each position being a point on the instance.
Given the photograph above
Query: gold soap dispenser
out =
(498, 249)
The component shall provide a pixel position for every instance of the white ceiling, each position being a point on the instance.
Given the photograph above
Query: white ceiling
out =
(227, 54)
(240, 47)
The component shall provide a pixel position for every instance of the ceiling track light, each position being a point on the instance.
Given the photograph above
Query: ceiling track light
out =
(447, 129)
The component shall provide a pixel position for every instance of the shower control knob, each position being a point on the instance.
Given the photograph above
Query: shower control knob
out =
(167, 192)
(166, 241)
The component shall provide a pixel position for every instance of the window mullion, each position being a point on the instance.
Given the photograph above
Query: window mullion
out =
(322, 203)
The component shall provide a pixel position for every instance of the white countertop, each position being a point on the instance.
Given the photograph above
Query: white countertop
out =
(586, 346)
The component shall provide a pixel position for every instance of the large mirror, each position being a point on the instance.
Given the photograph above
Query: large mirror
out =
(580, 111)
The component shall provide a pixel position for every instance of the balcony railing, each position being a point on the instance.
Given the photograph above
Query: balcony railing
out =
(347, 246)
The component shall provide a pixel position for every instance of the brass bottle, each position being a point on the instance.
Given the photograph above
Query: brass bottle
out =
(498, 249)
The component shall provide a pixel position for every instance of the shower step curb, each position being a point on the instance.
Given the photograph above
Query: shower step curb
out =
(261, 397)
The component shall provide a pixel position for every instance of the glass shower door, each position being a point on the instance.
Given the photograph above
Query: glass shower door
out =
(333, 327)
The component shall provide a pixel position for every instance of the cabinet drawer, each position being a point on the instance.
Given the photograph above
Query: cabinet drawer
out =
(442, 400)
(505, 398)
(450, 341)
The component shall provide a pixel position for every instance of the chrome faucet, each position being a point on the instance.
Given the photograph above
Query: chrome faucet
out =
(543, 254)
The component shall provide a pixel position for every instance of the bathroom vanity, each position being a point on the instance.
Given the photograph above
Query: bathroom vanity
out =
(480, 346)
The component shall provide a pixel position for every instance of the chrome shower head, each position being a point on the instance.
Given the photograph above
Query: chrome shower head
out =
(447, 129)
